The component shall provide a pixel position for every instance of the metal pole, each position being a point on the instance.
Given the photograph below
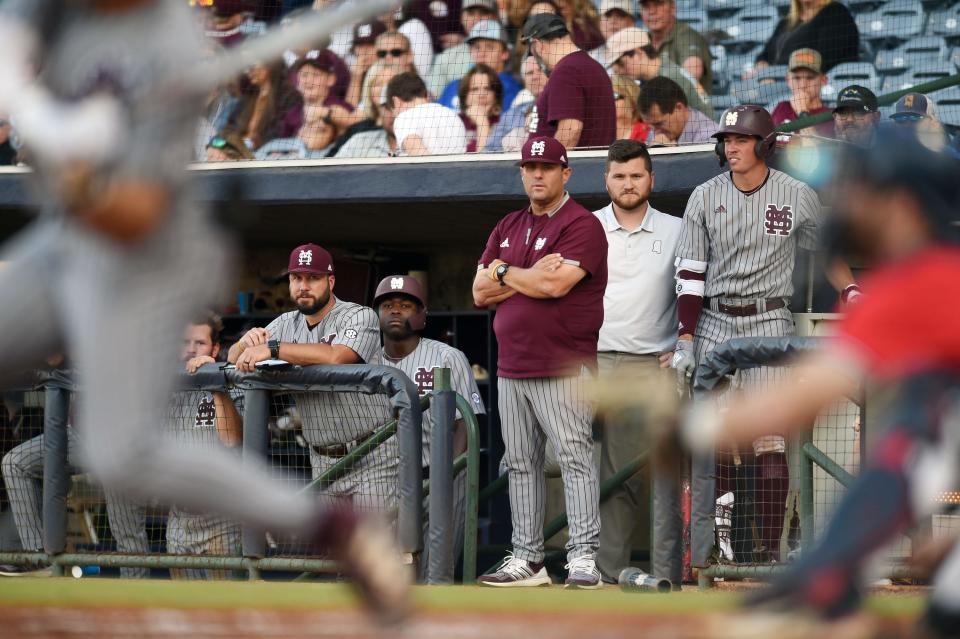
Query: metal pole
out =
(829, 466)
(255, 440)
(439, 531)
(56, 474)
(473, 487)
(806, 493)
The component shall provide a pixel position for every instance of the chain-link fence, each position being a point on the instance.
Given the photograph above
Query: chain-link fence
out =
(348, 432)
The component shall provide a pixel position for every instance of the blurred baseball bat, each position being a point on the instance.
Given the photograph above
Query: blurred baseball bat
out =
(270, 46)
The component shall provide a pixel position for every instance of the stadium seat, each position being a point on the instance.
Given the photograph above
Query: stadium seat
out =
(750, 25)
(945, 22)
(955, 58)
(725, 7)
(921, 72)
(719, 68)
(689, 5)
(696, 18)
(775, 72)
(722, 102)
(740, 61)
(848, 73)
(948, 106)
(895, 20)
(752, 92)
(913, 51)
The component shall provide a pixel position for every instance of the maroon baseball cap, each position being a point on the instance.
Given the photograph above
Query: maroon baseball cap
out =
(543, 149)
(368, 32)
(310, 258)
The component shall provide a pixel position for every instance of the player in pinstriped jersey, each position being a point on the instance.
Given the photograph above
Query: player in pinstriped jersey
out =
(327, 330)
(734, 269)
(545, 266)
(402, 306)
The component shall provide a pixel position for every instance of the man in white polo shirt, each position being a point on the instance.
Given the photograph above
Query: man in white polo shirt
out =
(640, 319)
(423, 127)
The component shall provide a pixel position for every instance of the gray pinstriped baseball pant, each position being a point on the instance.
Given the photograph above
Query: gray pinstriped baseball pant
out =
(533, 411)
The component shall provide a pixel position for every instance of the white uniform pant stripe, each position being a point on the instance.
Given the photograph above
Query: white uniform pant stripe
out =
(532, 411)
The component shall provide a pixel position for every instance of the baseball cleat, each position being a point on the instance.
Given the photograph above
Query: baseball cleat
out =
(369, 556)
(8, 570)
(583, 574)
(517, 573)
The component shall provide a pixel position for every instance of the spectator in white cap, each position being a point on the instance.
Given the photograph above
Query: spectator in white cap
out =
(678, 40)
(488, 45)
(455, 61)
(630, 52)
(615, 15)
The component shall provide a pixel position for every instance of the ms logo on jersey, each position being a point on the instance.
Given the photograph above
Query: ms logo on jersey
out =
(328, 339)
(206, 413)
(540, 243)
(424, 380)
(305, 258)
(779, 221)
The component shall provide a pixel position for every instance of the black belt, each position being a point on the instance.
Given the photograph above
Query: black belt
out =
(337, 451)
(769, 304)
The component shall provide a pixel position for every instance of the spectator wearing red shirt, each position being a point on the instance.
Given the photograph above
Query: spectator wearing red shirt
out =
(895, 208)
(315, 80)
(545, 266)
(806, 79)
(576, 107)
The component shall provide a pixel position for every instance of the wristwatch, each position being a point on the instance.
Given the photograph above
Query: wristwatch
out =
(501, 271)
(274, 346)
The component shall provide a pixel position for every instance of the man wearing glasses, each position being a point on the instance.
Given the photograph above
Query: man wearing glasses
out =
(394, 48)
(856, 115)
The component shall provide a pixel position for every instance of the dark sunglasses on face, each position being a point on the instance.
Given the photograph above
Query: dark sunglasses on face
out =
(395, 53)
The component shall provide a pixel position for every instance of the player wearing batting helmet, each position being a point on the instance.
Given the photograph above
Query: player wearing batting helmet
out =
(402, 306)
(897, 209)
(545, 266)
(734, 271)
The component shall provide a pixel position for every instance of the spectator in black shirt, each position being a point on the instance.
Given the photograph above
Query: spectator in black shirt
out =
(821, 25)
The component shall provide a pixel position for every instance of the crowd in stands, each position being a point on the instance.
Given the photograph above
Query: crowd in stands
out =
(461, 76)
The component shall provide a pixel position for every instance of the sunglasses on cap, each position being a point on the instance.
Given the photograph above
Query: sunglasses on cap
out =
(395, 53)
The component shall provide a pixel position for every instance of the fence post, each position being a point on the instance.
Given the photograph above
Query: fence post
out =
(440, 530)
(806, 493)
(56, 473)
(256, 411)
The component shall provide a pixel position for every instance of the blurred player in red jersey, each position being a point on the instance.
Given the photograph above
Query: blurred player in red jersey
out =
(897, 208)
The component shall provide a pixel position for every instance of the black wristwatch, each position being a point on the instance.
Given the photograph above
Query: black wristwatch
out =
(501, 271)
(274, 346)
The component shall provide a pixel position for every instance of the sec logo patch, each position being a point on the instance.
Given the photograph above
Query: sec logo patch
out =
(350, 333)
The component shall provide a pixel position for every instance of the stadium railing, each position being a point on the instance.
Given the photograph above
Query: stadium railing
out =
(260, 392)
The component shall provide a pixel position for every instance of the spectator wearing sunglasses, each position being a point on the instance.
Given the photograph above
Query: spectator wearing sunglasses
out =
(394, 48)
(630, 52)
(418, 39)
(919, 111)
(488, 47)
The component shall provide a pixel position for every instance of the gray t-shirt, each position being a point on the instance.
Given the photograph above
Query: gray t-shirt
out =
(699, 128)
(749, 241)
(337, 418)
(419, 365)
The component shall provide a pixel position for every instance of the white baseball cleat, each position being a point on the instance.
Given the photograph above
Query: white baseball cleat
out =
(517, 573)
(583, 574)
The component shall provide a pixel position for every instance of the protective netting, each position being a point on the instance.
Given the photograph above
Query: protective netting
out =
(660, 71)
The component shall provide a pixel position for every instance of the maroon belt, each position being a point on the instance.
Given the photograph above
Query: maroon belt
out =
(771, 304)
(340, 450)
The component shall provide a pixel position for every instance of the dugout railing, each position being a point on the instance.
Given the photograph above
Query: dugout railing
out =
(258, 391)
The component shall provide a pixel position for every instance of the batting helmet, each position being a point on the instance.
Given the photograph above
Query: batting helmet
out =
(403, 285)
(747, 119)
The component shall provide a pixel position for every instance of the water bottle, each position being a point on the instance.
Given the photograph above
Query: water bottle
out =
(635, 580)
(84, 571)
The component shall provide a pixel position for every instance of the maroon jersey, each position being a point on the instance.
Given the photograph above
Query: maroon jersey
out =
(550, 337)
(579, 89)
(783, 113)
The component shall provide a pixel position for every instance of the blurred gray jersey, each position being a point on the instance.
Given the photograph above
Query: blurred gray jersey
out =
(419, 365)
(749, 240)
(125, 54)
(336, 418)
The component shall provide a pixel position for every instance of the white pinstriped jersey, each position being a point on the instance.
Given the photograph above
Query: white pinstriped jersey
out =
(749, 241)
(337, 418)
(192, 417)
(419, 365)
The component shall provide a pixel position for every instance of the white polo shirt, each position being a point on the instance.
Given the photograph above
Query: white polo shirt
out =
(640, 304)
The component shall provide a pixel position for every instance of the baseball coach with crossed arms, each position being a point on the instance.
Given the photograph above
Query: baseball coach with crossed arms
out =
(546, 268)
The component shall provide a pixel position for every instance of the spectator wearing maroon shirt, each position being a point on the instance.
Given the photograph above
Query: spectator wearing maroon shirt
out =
(481, 100)
(545, 266)
(315, 79)
(805, 78)
(577, 106)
